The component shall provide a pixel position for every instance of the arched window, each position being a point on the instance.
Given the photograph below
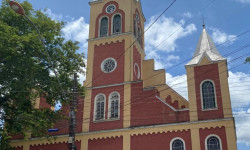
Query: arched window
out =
(213, 143)
(117, 24)
(177, 144)
(114, 105)
(100, 107)
(104, 27)
(135, 27)
(139, 36)
(208, 95)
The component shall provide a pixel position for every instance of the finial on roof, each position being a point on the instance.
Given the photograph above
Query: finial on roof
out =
(203, 20)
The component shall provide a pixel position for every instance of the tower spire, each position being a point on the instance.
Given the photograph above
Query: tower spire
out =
(206, 47)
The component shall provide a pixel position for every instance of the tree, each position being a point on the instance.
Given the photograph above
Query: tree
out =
(26, 72)
(247, 60)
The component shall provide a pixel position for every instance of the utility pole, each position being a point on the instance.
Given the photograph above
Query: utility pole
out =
(72, 115)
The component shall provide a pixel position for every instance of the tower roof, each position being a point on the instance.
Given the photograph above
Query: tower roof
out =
(206, 48)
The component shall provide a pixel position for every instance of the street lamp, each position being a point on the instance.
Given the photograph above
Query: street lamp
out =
(17, 7)
(19, 10)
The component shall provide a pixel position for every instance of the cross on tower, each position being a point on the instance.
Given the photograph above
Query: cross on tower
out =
(203, 21)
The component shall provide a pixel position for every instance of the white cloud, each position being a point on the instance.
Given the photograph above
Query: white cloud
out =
(161, 39)
(57, 17)
(82, 77)
(187, 15)
(178, 83)
(239, 85)
(221, 37)
(167, 31)
(173, 57)
(243, 1)
(159, 65)
(77, 30)
(163, 62)
(242, 120)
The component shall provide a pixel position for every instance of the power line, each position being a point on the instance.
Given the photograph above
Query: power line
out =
(136, 39)
(201, 74)
(243, 47)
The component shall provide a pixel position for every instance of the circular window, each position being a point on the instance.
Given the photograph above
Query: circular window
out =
(137, 71)
(111, 8)
(108, 65)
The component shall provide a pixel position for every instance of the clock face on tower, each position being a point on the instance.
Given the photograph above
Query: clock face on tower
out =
(110, 9)
(108, 65)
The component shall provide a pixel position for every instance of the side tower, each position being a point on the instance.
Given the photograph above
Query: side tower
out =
(208, 92)
(115, 54)
(207, 77)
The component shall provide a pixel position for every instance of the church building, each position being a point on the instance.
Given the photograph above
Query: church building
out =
(129, 106)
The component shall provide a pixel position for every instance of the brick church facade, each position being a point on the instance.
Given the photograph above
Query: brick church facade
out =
(128, 105)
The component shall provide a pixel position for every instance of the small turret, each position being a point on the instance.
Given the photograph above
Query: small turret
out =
(207, 75)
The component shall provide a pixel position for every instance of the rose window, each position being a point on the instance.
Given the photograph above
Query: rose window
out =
(108, 65)
(110, 9)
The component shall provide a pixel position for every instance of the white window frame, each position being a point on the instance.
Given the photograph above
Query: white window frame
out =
(94, 117)
(177, 138)
(109, 106)
(215, 96)
(100, 20)
(211, 135)
(102, 65)
(112, 24)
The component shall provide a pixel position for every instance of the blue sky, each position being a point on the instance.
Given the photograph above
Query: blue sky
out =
(224, 19)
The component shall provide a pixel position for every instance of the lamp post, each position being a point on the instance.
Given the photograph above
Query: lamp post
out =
(19, 10)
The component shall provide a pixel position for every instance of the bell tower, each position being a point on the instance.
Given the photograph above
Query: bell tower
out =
(115, 54)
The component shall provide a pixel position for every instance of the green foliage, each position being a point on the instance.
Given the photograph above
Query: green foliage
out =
(247, 60)
(26, 72)
(4, 141)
